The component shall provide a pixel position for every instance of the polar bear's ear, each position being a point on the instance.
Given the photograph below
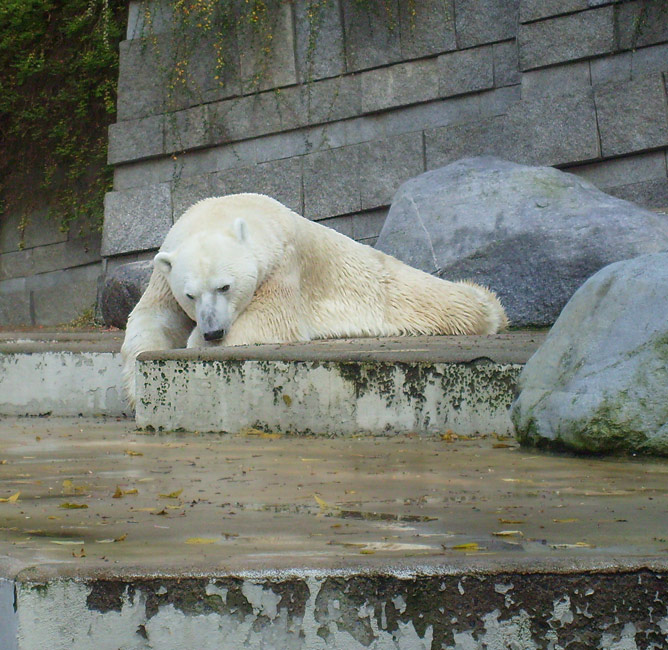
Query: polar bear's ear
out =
(163, 263)
(241, 230)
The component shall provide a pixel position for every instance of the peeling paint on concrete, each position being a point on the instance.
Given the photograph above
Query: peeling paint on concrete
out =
(325, 397)
(354, 611)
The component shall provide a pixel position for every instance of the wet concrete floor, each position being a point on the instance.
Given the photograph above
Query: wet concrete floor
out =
(97, 496)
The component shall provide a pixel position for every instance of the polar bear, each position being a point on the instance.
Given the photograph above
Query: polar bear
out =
(243, 269)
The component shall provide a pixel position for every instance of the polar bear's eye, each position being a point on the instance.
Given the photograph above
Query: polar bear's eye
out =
(224, 289)
(190, 297)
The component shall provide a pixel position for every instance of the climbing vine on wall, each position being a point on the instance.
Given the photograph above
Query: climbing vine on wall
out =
(58, 75)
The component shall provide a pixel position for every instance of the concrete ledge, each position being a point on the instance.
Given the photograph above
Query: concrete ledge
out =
(61, 373)
(420, 385)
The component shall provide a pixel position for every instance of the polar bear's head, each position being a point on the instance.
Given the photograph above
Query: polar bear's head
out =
(213, 277)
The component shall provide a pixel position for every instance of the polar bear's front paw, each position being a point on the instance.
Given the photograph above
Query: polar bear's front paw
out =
(196, 340)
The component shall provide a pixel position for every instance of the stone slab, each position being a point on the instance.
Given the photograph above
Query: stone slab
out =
(632, 115)
(466, 71)
(567, 38)
(14, 303)
(427, 27)
(246, 555)
(136, 219)
(402, 385)
(485, 21)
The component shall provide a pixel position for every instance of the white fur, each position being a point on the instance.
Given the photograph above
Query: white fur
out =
(263, 274)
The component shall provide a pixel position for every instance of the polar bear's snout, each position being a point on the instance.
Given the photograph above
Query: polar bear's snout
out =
(215, 335)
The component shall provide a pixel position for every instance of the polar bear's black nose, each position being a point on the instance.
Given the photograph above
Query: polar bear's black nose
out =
(216, 335)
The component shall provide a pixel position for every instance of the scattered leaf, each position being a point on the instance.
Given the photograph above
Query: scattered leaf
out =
(72, 506)
(511, 521)
(508, 533)
(67, 542)
(118, 494)
(576, 545)
(82, 553)
(3, 462)
(12, 499)
(503, 445)
(121, 538)
(201, 540)
(146, 509)
(172, 495)
(565, 521)
(129, 452)
(249, 431)
(131, 491)
(53, 517)
(449, 436)
(322, 503)
(471, 546)
(288, 400)
(367, 551)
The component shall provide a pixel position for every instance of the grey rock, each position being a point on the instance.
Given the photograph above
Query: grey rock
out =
(633, 115)
(485, 21)
(651, 194)
(400, 84)
(144, 172)
(466, 71)
(599, 383)
(372, 34)
(427, 27)
(623, 171)
(533, 235)
(122, 289)
(136, 219)
(187, 129)
(187, 191)
(567, 38)
(649, 59)
(556, 80)
(499, 101)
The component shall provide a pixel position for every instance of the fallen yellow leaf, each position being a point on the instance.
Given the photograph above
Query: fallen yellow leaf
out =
(367, 551)
(565, 521)
(322, 503)
(471, 546)
(72, 506)
(172, 495)
(129, 452)
(201, 540)
(118, 494)
(288, 400)
(509, 533)
(12, 499)
(511, 521)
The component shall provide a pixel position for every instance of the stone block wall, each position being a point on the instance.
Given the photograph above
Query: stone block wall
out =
(47, 277)
(340, 115)
(579, 84)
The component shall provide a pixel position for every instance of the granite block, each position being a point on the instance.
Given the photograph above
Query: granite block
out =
(14, 303)
(187, 129)
(267, 56)
(485, 21)
(466, 71)
(385, 164)
(632, 115)
(506, 64)
(332, 182)
(136, 139)
(427, 28)
(187, 191)
(280, 179)
(556, 80)
(136, 219)
(372, 34)
(144, 172)
(400, 84)
(319, 40)
(623, 171)
(536, 9)
(641, 23)
(567, 38)
(614, 67)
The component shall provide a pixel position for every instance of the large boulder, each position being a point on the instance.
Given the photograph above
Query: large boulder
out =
(532, 234)
(123, 287)
(599, 382)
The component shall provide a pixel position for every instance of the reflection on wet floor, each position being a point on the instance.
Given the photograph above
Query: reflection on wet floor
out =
(97, 493)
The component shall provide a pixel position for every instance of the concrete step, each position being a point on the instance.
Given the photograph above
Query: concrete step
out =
(55, 372)
(270, 541)
(425, 385)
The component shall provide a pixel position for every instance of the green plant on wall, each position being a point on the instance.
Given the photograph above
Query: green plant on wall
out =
(58, 75)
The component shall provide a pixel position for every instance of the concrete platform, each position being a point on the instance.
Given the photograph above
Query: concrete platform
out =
(121, 539)
(423, 384)
(56, 372)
